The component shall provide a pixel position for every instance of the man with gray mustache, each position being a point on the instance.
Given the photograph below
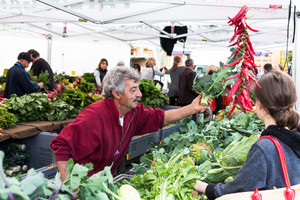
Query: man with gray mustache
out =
(102, 132)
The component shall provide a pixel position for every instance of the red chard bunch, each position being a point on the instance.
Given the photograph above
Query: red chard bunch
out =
(241, 39)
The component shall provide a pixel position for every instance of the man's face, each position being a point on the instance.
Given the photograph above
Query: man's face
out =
(24, 63)
(132, 94)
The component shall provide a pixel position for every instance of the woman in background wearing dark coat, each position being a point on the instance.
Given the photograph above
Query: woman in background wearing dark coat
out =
(175, 71)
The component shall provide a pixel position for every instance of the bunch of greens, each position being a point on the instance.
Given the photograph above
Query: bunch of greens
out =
(7, 119)
(33, 186)
(42, 77)
(231, 160)
(151, 95)
(74, 98)
(29, 107)
(2, 79)
(98, 186)
(89, 77)
(168, 178)
(210, 86)
(60, 110)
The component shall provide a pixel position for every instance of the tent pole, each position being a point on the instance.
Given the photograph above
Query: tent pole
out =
(49, 52)
(296, 60)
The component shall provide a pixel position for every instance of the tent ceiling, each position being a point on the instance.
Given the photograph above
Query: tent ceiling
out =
(140, 21)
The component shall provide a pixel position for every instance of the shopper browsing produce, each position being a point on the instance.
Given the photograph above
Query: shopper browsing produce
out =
(17, 79)
(275, 102)
(102, 131)
(100, 72)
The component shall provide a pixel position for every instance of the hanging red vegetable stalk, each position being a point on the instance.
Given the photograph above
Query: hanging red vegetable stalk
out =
(242, 41)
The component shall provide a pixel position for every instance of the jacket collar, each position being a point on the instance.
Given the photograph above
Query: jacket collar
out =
(113, 108)
(290, 138)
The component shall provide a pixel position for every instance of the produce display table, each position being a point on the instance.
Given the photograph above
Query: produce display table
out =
(25, 130)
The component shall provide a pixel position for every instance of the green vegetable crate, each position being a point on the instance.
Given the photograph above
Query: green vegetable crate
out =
(139, 145)
(121, 177)
(48, 171)
(156, 137)
(41, 154)
(168, 130)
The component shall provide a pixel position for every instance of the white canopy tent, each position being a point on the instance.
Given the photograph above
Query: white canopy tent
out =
(141, 22)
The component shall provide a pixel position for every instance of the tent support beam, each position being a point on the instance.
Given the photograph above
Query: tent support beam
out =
(70, 11)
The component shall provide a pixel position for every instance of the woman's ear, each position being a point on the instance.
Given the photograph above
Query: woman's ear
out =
(115, 94)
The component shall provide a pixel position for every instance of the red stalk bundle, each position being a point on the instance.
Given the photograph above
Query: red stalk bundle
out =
(239, 90)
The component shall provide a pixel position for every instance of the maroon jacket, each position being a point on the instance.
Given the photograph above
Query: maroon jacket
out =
(97, 137)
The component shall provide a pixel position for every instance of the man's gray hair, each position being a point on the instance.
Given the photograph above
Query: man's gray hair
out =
(115, 79)
(189, 62)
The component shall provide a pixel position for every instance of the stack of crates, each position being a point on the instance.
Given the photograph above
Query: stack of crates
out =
(41, 155)
(139, 145)
(168, 130)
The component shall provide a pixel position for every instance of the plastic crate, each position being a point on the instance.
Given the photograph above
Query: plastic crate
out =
(39, 148)
(139, 145)
(121, 177)
(132, 170)
(49, 171)
(167, 107)
(169, 130)
(156, 137)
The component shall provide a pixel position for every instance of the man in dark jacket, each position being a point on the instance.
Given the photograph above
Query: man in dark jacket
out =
(17, 79)
(186, 78)
(40, 65)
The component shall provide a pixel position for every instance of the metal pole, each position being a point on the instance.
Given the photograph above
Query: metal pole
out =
(49, 39)
(296, 61)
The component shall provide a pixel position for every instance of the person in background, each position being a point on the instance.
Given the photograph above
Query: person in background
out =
(149, 72)
(267, 69)
(186, 78)
(175, 72)
(120, 63)
(100, 72)
(17, 79)
(102, 132)
(137, 68)
(275, 102)
(217, 102)
(40, 65)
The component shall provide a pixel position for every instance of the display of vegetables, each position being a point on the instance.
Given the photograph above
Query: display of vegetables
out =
(60, 110)
(33, 186)
(151, 95)
(98, 186)
(244, 56)
(168, 179)
(29, 107)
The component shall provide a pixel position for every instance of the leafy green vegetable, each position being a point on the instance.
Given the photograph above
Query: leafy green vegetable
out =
(74, 98)
(7, 119)
(29, 107)
(60, 110)
(172, 179)
(210, 86)
(98, 186)
(42, 77)
(33, 186)
(231, 159)
(152, 95)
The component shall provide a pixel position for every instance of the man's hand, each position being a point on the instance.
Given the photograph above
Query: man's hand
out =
(198, 106)
(41, 84)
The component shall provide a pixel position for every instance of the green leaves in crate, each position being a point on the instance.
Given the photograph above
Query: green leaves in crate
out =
(151, 95)
(33, 186)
